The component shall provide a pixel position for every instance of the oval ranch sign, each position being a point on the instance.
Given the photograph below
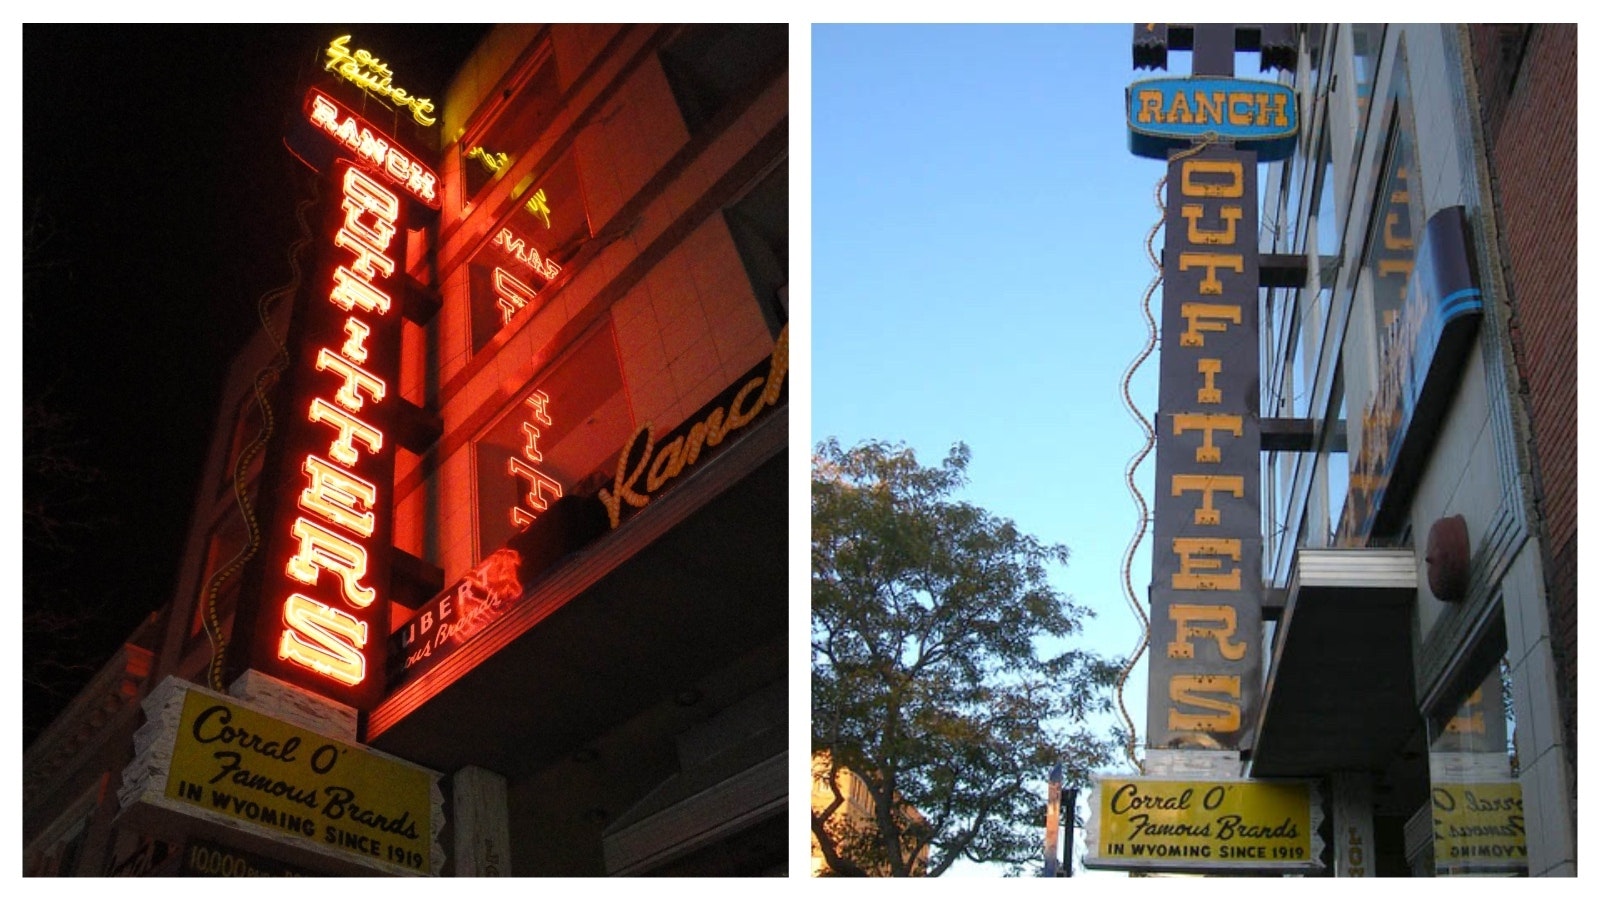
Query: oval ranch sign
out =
(1170, 113)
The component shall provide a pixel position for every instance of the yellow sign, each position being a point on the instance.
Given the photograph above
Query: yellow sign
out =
(1197, 825)
(236, 762)
(1479, 826)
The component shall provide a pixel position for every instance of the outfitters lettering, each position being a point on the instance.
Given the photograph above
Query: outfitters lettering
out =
(323, 630)
(1205, 604)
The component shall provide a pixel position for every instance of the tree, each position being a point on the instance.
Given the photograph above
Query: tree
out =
(63, 512)
(931, 681)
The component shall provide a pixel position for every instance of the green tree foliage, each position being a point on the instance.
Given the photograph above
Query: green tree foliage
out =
(938, 677)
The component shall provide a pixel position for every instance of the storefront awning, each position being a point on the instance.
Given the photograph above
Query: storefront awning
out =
(1340, 693)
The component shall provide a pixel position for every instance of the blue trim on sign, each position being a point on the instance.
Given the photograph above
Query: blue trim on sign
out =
(1463, 301)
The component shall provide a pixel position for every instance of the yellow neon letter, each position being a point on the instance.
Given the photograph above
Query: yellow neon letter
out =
(1207, 451)
(1210, 368)
(1203, 317)
(1211, 284)
(1207, 485)
(1188, 688)
(1230, 167)
(1202, 574)
(1226, 619)
(1230, 218)
(1150, 107)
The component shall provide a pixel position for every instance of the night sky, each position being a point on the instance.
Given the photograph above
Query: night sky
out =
(158, 206)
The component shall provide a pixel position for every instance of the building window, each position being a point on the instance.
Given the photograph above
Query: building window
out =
(1475, 798)
(1366, 43)
(566, 425)
(528, 252)
(759, 223)
(712, 67)
(1329, 224)
(527, 108)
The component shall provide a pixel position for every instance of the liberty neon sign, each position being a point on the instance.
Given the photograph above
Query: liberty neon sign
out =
(329, 635)
(372, 147)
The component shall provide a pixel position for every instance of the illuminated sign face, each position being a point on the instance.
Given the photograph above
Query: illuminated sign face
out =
(277, 779)
(1205, 606)
(370, 74)
(377, 150)
(328, 633)
(1262, 826)
(318, 613)
(1170, 113)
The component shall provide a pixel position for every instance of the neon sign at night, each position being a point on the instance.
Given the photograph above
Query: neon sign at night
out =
(329, 635)
(370, 74)
(541, 488)
(373, 147)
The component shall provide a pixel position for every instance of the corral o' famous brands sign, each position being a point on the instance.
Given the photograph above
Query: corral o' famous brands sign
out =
(268, 783)
(1171, 825)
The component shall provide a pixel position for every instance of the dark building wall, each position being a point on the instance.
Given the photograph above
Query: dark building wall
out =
(1528, 77)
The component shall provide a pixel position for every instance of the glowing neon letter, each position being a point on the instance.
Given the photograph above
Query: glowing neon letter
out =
(350, 291)
(350, 428)
(371, 195)
(355, 346)
(356, 380)
(326, 640)
(321, 549)
(336, 495)
(368, 262)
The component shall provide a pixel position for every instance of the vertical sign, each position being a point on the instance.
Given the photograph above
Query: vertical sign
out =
(318, 612)
(1205, 603)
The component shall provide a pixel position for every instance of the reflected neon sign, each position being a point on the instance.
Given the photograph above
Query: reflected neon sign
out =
(540, 488)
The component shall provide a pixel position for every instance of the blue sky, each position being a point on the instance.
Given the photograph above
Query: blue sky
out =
(978, 267)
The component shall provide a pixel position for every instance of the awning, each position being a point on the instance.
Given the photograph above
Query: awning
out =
(1340, 693)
